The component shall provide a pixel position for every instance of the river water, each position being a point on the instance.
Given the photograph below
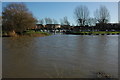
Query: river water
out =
(65, 56)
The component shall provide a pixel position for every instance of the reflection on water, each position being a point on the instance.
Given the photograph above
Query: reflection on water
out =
(59, 56)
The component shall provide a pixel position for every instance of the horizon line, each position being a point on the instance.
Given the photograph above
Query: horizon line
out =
(60, 1)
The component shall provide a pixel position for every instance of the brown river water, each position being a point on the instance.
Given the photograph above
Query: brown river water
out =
(59, 56)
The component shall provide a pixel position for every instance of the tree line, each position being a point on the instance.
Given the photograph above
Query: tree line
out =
(82, 17)
(48, 20)
(16, 17)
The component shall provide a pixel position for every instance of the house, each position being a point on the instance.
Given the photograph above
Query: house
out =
(40, 26)
(107, 27)
(65, 27)
(52, 26)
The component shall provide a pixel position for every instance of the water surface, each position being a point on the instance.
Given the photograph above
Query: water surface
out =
(66, 56)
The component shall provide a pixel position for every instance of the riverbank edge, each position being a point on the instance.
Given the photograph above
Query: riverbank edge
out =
(93, 33)
(26, 34)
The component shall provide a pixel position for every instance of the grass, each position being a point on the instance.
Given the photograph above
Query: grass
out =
(30, 32)
(99, 32)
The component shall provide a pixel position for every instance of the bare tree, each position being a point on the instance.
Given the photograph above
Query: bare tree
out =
(91, 22)
(41, 21)
(64, 21)
(102, 14)
(48, 21)
(17, 18)
(55, 21)
(81, 14)
(61, 22)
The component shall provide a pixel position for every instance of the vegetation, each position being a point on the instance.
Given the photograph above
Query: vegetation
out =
(31, 33)
(102, 14)
(17, 18)
(95, 32)
(35, 33)
(81, 15)
(65, 21)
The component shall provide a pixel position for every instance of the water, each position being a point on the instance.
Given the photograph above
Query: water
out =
(66, 56)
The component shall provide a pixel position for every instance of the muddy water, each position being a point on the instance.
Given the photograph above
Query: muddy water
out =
(59, 56)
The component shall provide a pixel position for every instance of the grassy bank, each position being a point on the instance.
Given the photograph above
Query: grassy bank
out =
(35, 33)
(94, 32)
(30, 33)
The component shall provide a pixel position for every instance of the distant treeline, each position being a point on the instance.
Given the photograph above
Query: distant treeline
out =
(17, 18)
(97, 27)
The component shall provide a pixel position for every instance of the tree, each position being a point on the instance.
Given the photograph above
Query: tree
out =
(17, 18)
(65, 21)
(81, 15)
(55, 21)
(41, 21)
(91, 21)
(61, 22)
(102, 14)
(48, 21)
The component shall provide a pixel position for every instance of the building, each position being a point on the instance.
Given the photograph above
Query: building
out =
(40, 26)
(52, 26)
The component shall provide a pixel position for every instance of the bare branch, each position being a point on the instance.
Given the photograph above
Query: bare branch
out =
(102, 14)
(81, 14)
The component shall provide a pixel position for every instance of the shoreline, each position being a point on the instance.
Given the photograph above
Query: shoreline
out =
(33, 34)
(93, 33)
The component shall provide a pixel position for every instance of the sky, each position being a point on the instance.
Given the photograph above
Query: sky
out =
(58, 10)
(119, 11)
(60, 0)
